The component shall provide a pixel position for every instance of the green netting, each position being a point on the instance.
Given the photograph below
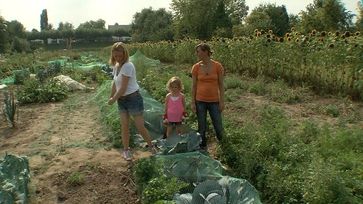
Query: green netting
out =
(20, 75)
(174, 144)
(225, 190)
(139, 57)
(14, 179)
(86, 66)
(7, 80)
(153, 111)
(191, 167)
(58, 62)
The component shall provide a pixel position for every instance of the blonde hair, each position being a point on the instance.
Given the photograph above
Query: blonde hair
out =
(119, 47)
(175, 80)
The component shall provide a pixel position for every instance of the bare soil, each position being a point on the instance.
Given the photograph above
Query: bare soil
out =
(65, 139)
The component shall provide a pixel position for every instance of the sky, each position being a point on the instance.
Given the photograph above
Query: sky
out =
(76, 12)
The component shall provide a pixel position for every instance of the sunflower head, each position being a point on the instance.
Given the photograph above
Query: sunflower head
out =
(347, 34)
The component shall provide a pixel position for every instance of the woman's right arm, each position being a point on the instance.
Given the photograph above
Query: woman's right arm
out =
(194, 92)
(113, 89)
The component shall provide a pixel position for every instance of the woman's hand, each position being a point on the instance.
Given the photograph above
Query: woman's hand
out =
(221, 106)
(193, 107)
(111, 101)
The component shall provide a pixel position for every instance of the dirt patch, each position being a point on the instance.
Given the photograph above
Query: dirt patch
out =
(64, 138)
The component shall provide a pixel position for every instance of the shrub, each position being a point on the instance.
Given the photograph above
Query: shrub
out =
(162, 188)
(145, 170)
(35, 92)
(332, 110)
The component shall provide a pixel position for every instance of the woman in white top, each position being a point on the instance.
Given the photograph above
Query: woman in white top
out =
(125, 91)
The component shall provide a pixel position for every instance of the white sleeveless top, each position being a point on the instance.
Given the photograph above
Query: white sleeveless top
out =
(128, 70)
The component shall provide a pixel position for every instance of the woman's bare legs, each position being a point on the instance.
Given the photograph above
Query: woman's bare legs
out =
(125, 132)
(139, 123)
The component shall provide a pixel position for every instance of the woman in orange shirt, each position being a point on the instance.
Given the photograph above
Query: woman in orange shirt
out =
(207, 92)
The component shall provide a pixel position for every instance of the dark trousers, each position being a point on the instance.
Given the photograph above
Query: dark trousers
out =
(215, 115)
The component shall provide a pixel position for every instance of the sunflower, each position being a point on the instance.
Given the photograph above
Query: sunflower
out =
(347, 34)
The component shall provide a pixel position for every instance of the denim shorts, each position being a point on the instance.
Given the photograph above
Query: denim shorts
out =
(132, 104)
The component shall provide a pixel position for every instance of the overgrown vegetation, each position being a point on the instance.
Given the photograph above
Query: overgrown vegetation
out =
(34, 91)
(287, 160)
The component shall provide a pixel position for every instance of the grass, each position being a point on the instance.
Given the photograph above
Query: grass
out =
(76, 179)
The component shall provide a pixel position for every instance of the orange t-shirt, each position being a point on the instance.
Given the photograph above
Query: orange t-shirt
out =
(207, 84)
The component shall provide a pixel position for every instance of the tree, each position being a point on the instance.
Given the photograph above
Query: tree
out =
(67, 32)
(328, 15)
(269, 16)
(359, 23)
(195, 18)
(237, 10)
(152, 25)
(16, 29)
(4, 36)
(258, 20)
(294, 20)
(222, 22)
(44, 20)
(99, 24)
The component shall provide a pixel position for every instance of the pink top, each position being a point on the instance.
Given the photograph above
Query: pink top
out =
(175, 109)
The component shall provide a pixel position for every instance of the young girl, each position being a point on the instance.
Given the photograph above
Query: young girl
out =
(125, 91)
(174, 106)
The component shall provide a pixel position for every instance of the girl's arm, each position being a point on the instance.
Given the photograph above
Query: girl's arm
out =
(183, 101)
(166, 106)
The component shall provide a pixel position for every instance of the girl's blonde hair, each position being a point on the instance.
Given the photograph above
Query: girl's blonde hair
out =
(175, 80)
(120, 47)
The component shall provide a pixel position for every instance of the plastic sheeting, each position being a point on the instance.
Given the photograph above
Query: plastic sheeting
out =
(14, 179)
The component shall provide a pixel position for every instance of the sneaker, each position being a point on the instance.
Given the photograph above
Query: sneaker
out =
(127, 155)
